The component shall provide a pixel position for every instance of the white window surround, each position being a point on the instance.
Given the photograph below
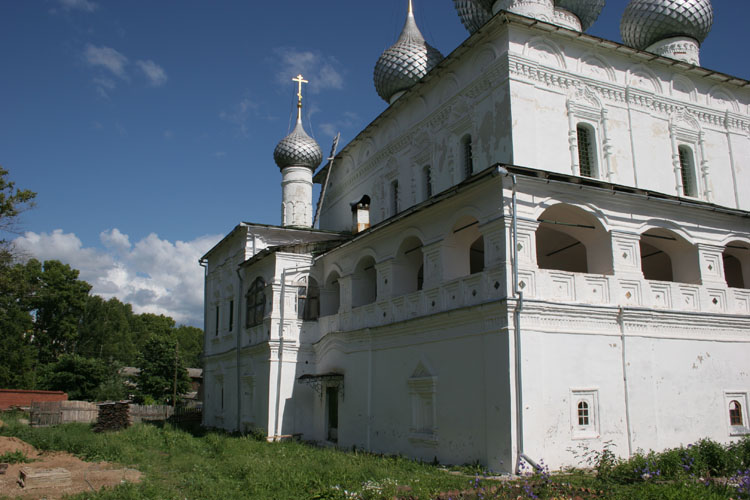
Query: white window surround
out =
(684, 130)
(590, 397)
(585, 108)
(422, 390)
(741, 398)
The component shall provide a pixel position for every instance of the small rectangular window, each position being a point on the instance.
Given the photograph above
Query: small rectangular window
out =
(586, 151)
(394, 197)
(468, 156)
(687, 172)
(231, 315)
(427, 175)
(217, 320)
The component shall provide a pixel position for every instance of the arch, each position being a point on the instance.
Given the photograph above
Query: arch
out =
(485, 56)
(737, 264)
(571, 239)
(448, 86)
(364, 282)
(722, 98)
(596, 65)
(667, 256)
(463, 248)
(330, 295)
(684, 86)
(545, 51)
(644, 78)
(408, 267)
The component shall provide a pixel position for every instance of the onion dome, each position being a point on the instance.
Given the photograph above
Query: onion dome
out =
(646, 22)
(587, 11)
(473, 14)
(406, 62)
(298, 150)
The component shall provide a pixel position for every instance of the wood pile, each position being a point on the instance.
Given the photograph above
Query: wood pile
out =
(113, 416)
(44, 478)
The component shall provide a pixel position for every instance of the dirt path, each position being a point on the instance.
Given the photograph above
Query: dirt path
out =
(86, 476)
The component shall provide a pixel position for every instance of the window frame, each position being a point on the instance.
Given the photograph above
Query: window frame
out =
(591, 150)
(689, 185)
(590, 399)
(739, 397)
(467, 156)
(256, 307)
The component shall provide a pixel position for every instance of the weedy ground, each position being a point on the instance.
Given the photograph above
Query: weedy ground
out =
(204, 465)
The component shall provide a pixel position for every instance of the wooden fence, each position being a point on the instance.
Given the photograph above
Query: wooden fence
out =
(44, 414)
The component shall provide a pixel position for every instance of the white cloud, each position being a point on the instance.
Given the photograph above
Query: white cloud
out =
(239, 115)
(348, 120)
(106, 57)
(320, 70)
(154, 73)
(84, 5)
(154, 275)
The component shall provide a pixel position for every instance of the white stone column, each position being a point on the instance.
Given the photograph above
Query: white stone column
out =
(296, 204)
(711, 259)
(385, 279)
(626, 258)
(494, 242)
(432, 262)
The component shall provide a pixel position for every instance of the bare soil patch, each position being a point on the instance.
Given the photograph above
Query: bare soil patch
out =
(86, 476)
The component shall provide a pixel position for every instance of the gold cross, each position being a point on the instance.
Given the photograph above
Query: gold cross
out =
(299, 81)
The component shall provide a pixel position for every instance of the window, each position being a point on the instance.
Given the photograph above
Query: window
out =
(736, 404)
(687, 172)
(394, 197)
(216, 327)
(584, 417)
(467, 156)
(231, 315)
(586, 151)
(422, 390)
(255, 305)
(735, 414)
(583, 413)
(308, 300)
(427, 177)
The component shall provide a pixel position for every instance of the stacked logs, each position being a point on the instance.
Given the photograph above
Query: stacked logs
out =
(113, 416)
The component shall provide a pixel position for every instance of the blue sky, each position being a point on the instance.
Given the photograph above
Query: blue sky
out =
(147, 128)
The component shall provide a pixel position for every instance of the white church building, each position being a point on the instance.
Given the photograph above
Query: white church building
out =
(541, 244)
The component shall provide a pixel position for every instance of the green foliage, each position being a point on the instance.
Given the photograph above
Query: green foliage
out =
(86, 379)
(105, 331)
(13, 202)
(191, 345)
(160, 363)
(15, 457)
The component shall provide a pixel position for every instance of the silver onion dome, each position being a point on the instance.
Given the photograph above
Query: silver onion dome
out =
(406, 62)
(474, 13)
(298, 150)
(646, 22)
(587, 11)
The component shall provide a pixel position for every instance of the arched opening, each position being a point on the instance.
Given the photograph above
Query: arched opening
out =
(364, 283)
(308, 297)
(571, 239)
(587, 154)
(408, 270)
(687, 171)
(463, 249)
(666, 256)
(467, 156)
(330, 297)
(737, 264)
(583, 413)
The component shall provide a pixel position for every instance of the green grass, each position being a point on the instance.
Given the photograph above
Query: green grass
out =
(211, 465)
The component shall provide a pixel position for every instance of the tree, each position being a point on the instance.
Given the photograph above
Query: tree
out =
(82, 378)
(143, 326)
(105, 331)
(13, 202)
(190, 339)
(17, 355)
(159, 362)
(58, 303)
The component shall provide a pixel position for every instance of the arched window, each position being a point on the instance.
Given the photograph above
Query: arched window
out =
(737, 264)
(330, 298)
(364, 283)
(408, 272)
(308, 300)
(467, 156)
(735, 414)
(255, 303)
(687, 171)
(583, 413)
(666, 256)
(427, 181)
(573, 240)
(586, 151)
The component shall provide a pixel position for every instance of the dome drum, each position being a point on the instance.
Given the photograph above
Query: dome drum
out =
(577, 15)
(681, 48)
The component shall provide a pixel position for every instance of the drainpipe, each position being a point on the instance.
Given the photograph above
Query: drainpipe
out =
(204, 264)
(621, 323)
(518, 294)
(282, 303)
(239, 346)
